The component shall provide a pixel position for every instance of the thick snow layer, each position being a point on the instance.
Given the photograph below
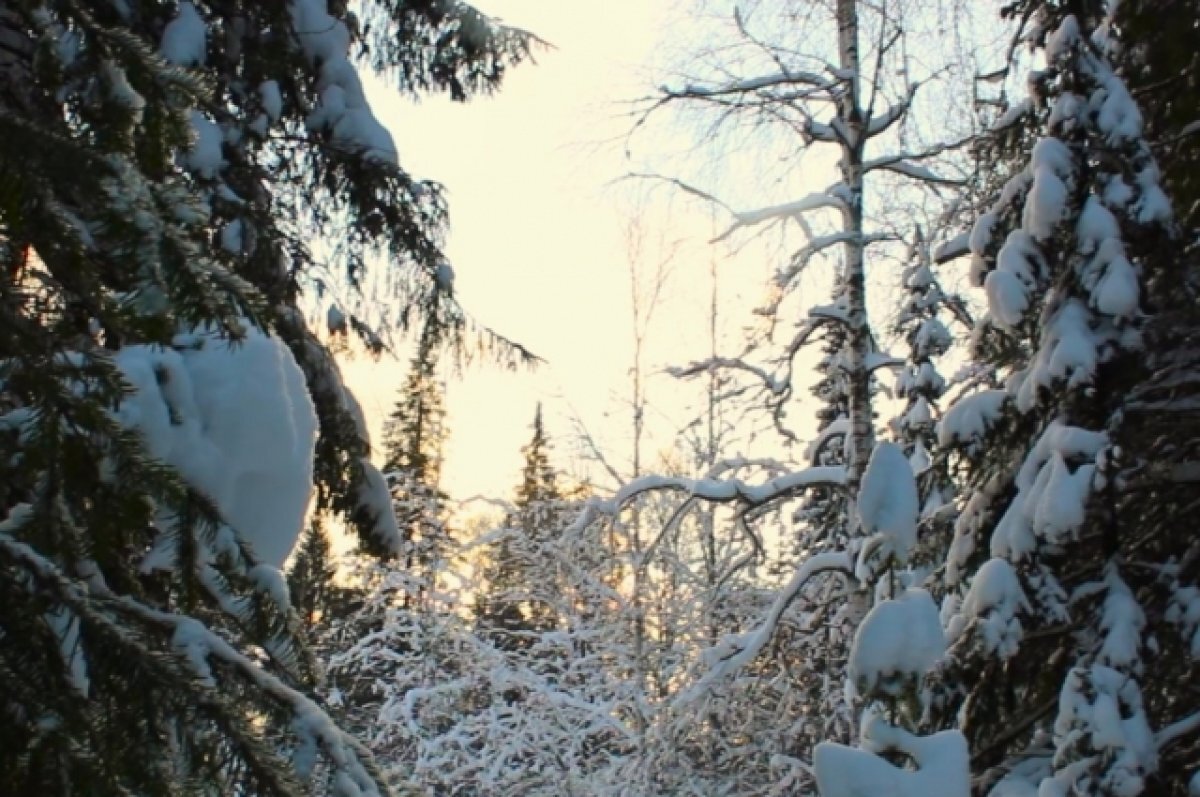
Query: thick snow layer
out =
(1052, 168)
(376, 499)
(888, 504)
(1007, 297)
(236, 421)
(1122, 622)
(1052, 509)
(1096, 225)
(1064, 116)
(942, 765)
(898, 639)
(1046, 204)
(1117, 292)
(1008, 286)
(205, 157)
(1184, 611)
(1072, 442)
(1102, 708)
(343, 110)
(1051, 499)
(272, 100)
(992, 603)
(981, 233)
(1060, 42)
(970, 417)
(185, 39)
(1060, 512)
(1153, 205)
(1117, 115)
(1069, 352)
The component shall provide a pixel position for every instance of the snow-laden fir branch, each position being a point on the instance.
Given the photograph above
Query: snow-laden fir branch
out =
(195, 644)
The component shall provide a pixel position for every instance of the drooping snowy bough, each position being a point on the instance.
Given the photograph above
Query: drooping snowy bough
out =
(174, 176)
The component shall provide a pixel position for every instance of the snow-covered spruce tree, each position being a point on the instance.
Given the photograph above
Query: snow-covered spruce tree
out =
(922, 323)
(163, 167)
(824, 522)
(1065, 586)
(905, 495)
(1162, 416)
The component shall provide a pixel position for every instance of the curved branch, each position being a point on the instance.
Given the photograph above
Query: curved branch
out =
(738, 651)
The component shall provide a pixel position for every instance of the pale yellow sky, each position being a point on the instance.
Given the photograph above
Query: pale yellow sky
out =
(537, 237)
(536, 229)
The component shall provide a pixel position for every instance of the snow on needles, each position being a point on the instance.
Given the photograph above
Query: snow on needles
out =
(898, 641)
(969, 419)
(185, 39)
(990, 608)
(236, 420)
(888, 505)
(942, 764)
(343, 111)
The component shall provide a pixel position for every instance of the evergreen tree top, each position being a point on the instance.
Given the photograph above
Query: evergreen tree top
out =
(414, 434)
(539, 481)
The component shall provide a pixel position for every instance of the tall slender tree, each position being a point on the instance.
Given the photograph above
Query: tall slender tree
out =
(414, 437)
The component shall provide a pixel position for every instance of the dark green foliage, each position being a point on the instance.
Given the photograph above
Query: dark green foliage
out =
(109, 237)
(311, 578)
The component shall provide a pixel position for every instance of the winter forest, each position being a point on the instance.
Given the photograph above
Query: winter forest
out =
(903, 509)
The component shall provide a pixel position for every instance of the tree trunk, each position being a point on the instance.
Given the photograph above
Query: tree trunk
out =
(853, 141)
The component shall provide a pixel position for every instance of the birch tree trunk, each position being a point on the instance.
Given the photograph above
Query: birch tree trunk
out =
(852, 140)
